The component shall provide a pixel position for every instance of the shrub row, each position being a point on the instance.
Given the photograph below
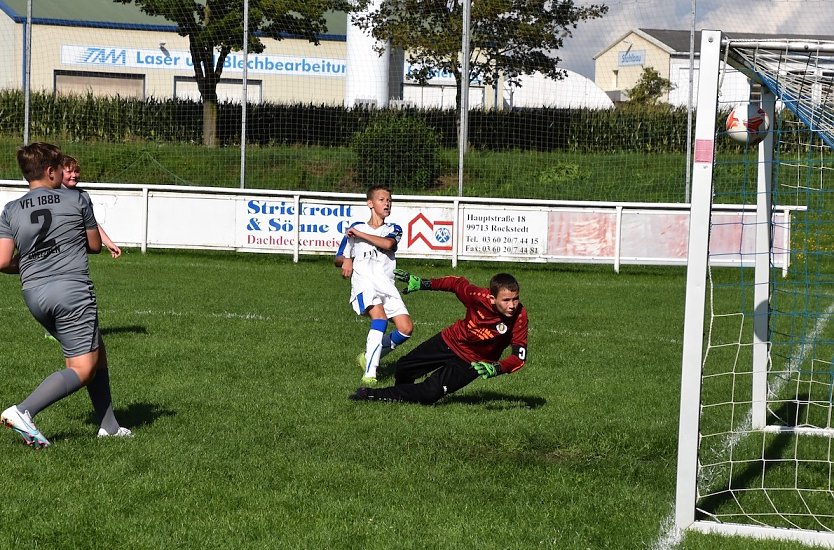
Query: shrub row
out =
(84, 118)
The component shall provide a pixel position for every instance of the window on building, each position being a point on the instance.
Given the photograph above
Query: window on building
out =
(441, 97)
(228, 89)
(100, 84)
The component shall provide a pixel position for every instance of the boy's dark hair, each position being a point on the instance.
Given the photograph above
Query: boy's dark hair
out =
(69, 162)
(502, 280)
(35, 158)
(374, 188)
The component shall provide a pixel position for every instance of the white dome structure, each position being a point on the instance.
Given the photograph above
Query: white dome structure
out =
(573, 91)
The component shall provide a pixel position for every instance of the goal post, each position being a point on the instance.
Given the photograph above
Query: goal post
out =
(755, 447)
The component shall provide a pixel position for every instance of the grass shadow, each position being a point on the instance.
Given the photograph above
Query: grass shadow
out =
(133, 329)
(497, 401)
(137, 415)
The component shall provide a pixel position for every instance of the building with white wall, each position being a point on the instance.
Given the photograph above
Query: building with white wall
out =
(618, 67)
(574, 91)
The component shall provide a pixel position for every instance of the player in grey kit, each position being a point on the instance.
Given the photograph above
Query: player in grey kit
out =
(53, 229)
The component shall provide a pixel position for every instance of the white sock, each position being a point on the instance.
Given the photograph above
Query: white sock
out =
(373, 347)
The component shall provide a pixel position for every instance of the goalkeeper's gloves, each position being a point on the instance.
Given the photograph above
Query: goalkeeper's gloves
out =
(485, 369)
(415, 283)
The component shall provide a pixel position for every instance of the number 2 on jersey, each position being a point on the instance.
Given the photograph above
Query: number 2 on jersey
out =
(41, 241)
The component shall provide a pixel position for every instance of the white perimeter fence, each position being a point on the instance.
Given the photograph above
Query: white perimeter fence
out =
(450, 228)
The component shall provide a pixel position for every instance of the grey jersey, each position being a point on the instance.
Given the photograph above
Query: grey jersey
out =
(84, 195)
(49, 230)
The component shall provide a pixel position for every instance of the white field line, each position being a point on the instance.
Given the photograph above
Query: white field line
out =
(597, 334)
(246, 316)
(670, 536)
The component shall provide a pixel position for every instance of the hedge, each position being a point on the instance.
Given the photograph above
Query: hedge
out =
(116, 119)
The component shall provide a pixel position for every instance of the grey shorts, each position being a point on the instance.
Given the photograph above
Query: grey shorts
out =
(68, 311)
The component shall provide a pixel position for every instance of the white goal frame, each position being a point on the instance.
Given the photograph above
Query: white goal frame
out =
(712, 54)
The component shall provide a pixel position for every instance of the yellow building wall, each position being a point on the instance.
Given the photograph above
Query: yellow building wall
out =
(11, 63)
(611, 75)
(55, 48)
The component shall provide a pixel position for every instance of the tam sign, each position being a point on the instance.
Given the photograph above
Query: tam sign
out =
(160, 58)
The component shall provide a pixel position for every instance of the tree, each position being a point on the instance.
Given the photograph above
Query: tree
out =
(649, 88)
(509, 38)
(215, 28)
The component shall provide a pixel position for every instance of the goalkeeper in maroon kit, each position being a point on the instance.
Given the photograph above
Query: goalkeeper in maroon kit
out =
(461, 352)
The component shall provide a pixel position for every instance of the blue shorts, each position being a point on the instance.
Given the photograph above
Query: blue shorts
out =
(68, 311)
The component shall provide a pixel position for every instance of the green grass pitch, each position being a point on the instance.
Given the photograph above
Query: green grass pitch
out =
(233, 371)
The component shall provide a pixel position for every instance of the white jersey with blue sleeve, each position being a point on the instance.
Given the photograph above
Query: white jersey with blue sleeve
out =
(372, 281)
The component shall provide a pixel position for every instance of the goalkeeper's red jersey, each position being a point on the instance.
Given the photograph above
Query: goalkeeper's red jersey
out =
(483, 334)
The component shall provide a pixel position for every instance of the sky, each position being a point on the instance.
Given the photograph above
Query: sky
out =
(814, 17)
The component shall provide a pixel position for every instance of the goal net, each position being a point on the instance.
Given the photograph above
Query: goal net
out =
(755, 448)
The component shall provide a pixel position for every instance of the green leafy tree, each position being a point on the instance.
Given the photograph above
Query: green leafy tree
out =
(649, 88)
(215, 29)
(509, 38)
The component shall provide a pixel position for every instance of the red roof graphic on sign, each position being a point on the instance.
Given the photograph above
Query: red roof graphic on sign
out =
(436, 234)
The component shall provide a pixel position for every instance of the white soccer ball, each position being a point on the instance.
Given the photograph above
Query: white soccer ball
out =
(747, 124)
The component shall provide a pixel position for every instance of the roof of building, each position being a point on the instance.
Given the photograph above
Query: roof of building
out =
(678, 41)
(111, 15)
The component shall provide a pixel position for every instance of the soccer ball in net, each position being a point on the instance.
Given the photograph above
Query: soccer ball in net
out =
(747, 124)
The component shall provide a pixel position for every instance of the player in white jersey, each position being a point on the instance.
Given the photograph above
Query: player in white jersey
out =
(366, 256)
